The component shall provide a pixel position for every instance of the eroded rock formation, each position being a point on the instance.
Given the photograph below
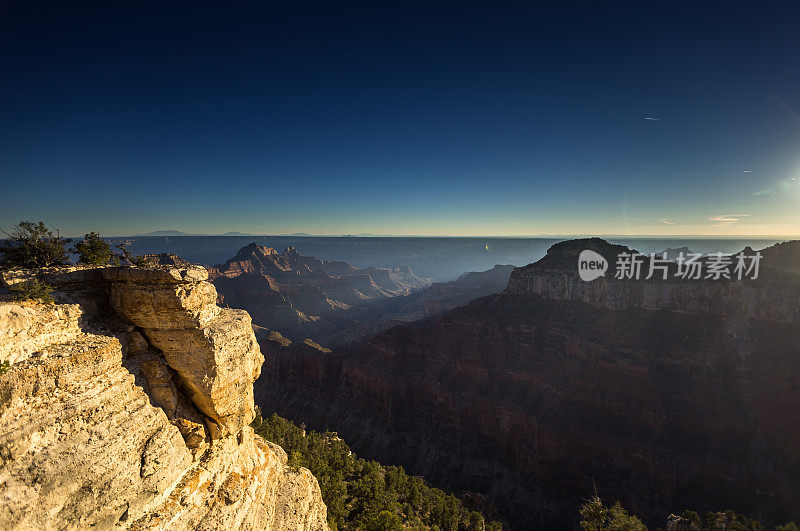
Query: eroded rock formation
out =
(302, 296)
(127, 405)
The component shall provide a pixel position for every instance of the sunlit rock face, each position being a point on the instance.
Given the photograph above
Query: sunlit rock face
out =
(539, 395)
(127, 405)
(177, 312)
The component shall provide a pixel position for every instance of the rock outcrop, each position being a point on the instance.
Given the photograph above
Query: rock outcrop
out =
(127, 405)
(180, 316)
(539, 395)
(27, 330)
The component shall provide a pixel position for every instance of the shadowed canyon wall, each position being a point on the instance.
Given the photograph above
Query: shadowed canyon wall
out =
(666, 396)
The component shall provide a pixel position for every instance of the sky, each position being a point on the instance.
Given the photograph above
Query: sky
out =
(490, 118)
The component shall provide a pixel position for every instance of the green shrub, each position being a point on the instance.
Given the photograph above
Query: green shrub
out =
(32, 245)
(93, 250)
(713, 520)
(597, 517)
(4, 366)
(385, 521)
(729, 520)
(33, 290)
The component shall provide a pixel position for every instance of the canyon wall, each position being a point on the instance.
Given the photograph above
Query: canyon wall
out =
(665, 397)
(767, 301)
(773, 296)
(444, 296)
(127, 404)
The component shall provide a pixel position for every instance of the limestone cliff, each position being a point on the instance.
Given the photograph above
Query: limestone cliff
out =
(127, 405)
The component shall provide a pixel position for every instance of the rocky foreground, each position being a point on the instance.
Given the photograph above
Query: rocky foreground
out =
(666, 396)
(127, 405)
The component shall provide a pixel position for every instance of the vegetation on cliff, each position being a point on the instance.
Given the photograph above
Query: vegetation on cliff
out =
(597, 517)
(363, 494)
(136, 260)
(32, 245)
(94, 250)
(691, 521)
(33, 289)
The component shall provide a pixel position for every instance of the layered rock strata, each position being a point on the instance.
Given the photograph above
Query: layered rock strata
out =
(138, 416)
(771, 296)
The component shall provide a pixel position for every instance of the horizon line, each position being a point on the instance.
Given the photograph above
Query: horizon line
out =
(522, 236)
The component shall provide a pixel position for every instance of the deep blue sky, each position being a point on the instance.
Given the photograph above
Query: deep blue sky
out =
(413, 118)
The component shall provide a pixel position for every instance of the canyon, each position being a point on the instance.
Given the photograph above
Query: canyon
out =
(665, 395)
(126, 404)
(334, 303)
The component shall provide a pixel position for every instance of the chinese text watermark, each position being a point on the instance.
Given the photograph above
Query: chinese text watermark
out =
(687, 266)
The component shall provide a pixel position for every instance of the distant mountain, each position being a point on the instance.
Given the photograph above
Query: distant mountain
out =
(167, 233)
(179, 233)
(673, 254)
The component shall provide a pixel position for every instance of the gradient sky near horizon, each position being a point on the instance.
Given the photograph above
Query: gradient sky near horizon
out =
(640, 118)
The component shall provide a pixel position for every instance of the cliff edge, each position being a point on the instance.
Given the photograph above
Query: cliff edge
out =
(127, 404)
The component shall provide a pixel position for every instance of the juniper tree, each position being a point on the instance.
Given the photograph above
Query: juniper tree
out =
(32, 245)
(93, 250)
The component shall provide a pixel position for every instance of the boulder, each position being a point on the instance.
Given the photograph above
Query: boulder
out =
(165, 306)
(220, 372)
(156, 275)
